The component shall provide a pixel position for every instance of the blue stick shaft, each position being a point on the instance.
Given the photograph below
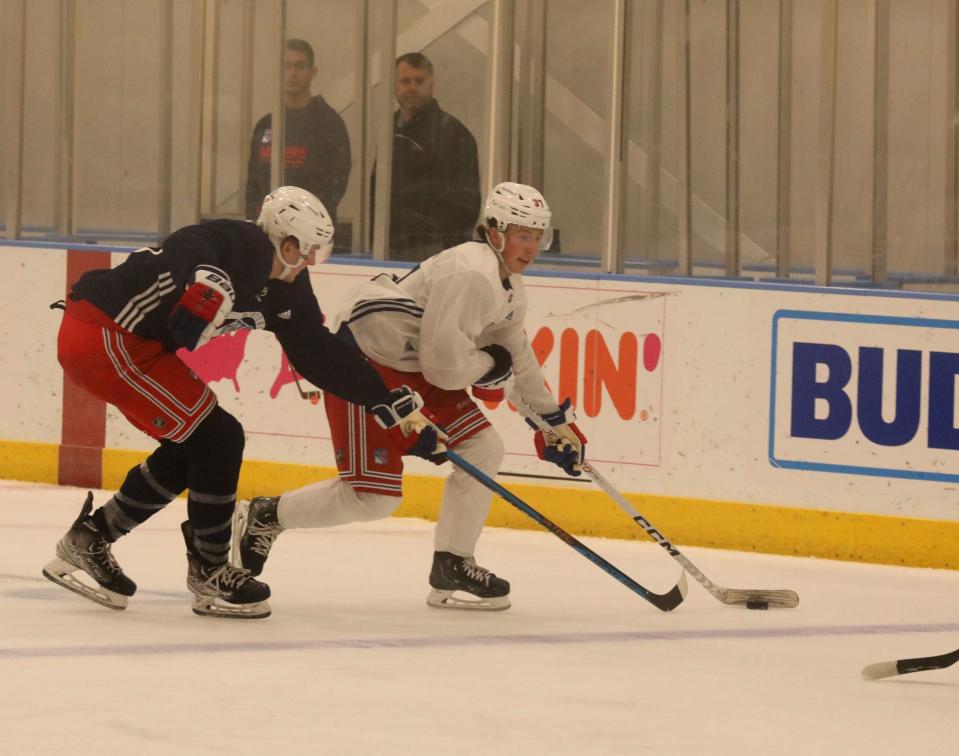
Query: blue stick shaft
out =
(666, 601)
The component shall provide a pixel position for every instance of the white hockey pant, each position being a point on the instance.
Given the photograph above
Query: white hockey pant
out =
(466, 502)
(463, 512)
(332, 502)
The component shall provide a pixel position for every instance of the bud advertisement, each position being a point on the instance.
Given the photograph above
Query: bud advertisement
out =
(865, 394)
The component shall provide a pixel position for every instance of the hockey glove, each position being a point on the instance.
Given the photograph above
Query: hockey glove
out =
(411, 430)
(428, 445)
(564, 444)
(493, 386)
(202, 308)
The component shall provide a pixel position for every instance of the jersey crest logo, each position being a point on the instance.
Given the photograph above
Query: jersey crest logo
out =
(286, 315)
(381, 456)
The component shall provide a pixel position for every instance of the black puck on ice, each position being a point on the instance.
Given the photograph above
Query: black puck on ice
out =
(757, 604)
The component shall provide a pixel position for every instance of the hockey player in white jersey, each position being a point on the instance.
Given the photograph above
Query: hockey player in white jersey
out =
(454, 322)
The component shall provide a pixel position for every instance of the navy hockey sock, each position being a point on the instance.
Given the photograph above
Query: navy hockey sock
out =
(216, 452)
(140, 497)
(212, 525)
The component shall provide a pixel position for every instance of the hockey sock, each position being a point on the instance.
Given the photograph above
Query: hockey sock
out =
(215, 450)
(211, 520)
(140, 497)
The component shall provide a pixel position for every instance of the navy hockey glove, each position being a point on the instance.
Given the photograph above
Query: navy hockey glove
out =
(492, 386)
(429, 446)
(412, 431)
(564, 444)
(202, 308)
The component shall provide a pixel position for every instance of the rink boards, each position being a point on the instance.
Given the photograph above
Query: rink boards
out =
(777, 418)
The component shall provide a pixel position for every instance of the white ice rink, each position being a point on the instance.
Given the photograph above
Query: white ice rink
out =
(354, 662)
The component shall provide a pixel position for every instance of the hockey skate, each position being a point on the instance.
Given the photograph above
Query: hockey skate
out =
(452, 575)
(255, 528)
(222, 590)
(84, 549)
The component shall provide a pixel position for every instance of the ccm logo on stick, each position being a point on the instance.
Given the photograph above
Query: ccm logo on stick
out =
(865, 394)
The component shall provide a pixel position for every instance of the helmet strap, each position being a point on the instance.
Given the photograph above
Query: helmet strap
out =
(498, 251)
(284, 274)
(286, 267)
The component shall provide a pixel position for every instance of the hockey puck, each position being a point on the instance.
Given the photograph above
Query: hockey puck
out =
(757, 604)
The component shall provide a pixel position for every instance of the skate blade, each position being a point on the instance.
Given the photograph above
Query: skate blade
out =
(240, 516)
(61, 573)
(207, 606)
(454, 600)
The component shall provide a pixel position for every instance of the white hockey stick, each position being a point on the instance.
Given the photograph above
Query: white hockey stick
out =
(880, 670)
(751, 598)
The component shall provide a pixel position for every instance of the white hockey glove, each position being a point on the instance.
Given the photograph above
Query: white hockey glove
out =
(561, 442)
(412, 431)
(494, 386)
(202, 307)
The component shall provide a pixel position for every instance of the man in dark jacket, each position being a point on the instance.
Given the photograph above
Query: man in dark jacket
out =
(317, 152)
(435, 197)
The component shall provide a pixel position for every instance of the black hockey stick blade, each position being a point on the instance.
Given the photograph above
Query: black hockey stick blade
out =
(663, 601)
(879, 670)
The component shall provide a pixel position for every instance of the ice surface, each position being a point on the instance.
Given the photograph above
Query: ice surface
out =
(354, 662)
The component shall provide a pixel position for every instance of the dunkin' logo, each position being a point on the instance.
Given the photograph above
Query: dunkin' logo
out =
(590, 367)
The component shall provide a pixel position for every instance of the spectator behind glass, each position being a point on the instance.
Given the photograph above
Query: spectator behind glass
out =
(317, 145)
(435, 198)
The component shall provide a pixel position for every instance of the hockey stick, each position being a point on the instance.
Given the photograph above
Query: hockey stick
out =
(665, 601)
(312, 396)
(880, 670)
(752, 598)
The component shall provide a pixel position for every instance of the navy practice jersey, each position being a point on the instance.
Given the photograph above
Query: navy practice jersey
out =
(141, 292)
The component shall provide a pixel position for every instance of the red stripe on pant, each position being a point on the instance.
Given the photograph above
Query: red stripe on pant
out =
(83, 433)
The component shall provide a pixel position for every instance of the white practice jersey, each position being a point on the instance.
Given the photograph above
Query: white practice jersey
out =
(435, 318)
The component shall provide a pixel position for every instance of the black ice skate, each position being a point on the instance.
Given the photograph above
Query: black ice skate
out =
(255, 528)
(453, 574)
(84, 549)
(222, 590)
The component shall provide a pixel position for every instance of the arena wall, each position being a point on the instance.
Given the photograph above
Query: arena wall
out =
(761, 417)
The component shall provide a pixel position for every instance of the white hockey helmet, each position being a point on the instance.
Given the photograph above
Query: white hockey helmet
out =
(512, 204)
(291, 211)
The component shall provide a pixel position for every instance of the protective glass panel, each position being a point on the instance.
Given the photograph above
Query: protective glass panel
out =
(650, 186)
(117, 118)
(259, 54)
(845, 172)
(918, 237)
(575, 145)
(40, 113)
(440, 136)
(708, 104)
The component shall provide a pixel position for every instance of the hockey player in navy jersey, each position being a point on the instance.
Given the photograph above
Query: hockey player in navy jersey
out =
(118, 340)
(453, 322)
